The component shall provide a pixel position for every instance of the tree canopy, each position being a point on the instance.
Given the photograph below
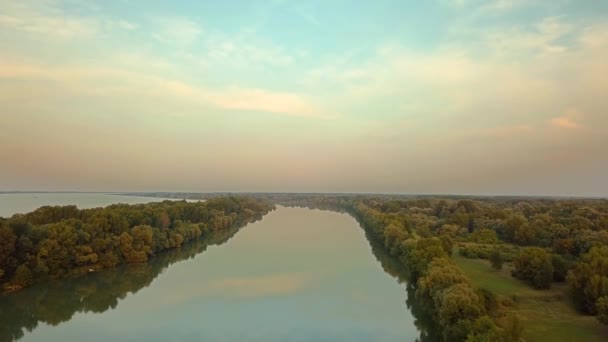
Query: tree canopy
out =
(54, 241)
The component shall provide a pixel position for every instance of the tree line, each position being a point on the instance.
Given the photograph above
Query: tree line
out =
(442, 290)
(56, 241)
(547, 241)
(98, 292)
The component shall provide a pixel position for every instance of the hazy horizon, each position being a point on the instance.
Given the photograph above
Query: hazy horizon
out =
(144, 192)
(463, 97)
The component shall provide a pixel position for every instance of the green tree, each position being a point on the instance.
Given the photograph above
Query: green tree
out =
(602, 309)
(588, 279)
(23, 276)
(534, 265)
(7, 249)
(560, 267)
(483, 235)
(512, 225)
(483, 330)
(418, 253)
(458, 306)
(53, 241)
(496, 259)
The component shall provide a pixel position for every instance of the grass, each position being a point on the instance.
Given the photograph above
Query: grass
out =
(547, 315)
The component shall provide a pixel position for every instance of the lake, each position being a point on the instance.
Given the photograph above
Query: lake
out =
(19, 203)
(296, 275)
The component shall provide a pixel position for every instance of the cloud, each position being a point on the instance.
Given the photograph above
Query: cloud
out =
(249, 99)
(242, 49)
(564, 122)
(455, 3)
(178, 31)
(519, 78)
(546, 35)
(483, 6)
(46, 18)
(493, 84)
(595, 36)
(123, 24)
(477, 101)
(95, 80)
(51, 26)
(266, 101)
(568, 120)
(504, 5)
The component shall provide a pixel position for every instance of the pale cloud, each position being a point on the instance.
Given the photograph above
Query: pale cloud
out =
(564, 122)
(455, 3)
(473, 83)
(250, 99)
(179, 31)
(488, 6)
(51, 26)
(467, 101)
(243, 49)
(517, 42)
(45, 18)
(595, 36)
(569, 120)
(123, 24)
(267, 101)
(504, 5)
(140, 61)
(94, 80)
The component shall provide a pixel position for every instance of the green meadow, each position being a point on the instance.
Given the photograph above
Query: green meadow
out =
(548, 315)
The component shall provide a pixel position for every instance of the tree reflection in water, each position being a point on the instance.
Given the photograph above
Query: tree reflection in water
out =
(57, 301)
(429, 330)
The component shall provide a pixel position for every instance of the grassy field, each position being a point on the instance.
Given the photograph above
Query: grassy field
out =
(547, 314)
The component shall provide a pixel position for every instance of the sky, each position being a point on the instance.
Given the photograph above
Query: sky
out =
(503, 97)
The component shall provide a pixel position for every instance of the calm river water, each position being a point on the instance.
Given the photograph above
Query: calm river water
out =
(296, 275)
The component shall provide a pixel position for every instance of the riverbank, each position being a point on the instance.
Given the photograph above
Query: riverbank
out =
(59, 241)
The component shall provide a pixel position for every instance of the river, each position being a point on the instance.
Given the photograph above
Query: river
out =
(296, 275)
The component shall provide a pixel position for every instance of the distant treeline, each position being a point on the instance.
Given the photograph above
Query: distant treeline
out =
(56, 241)
(547, 240)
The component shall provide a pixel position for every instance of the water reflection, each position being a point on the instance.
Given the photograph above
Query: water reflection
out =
(297, 275)
(429, 330)
(56, 302)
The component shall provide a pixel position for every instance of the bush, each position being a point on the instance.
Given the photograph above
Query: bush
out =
(535, 266)
(588, 279)
(602, 309)
(496, 259)
(23, 277)
(484, 236)
(560, 267)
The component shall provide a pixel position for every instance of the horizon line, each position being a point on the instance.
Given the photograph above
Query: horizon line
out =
(301, 193)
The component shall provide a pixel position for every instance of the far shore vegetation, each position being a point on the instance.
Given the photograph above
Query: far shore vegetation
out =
(57, 241)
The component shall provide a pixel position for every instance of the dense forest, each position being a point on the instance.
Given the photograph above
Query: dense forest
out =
(545, 241)
(54, 241)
